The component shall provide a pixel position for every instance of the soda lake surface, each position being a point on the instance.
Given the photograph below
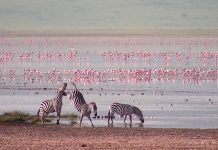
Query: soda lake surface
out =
(172, 79)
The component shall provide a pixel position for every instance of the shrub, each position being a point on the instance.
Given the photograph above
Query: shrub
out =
(15, 116)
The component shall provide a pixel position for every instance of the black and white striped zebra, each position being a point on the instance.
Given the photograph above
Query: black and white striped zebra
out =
(52, 105)
(124, 110)
(84, 108)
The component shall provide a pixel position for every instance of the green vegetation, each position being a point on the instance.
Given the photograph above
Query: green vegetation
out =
(17, 116)
(14, 117)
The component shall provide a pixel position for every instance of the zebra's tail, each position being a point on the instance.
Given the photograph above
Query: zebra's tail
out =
(38, 112)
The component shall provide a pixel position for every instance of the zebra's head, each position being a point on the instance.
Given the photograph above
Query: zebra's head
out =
(94, 108)
(61, 89)
(138, 113)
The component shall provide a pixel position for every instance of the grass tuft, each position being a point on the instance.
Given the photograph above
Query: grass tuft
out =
(17, 116)
(14, 116)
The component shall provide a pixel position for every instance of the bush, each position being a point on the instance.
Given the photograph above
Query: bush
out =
(14, 117)
(17, 116)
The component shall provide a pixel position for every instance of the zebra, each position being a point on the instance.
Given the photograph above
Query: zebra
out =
(52, 105)
(124, 110)
(84, 108)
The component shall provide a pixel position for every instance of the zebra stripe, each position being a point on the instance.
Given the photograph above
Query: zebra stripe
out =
(84, 108)
(124, 110)
(78, 99)
(52, 105)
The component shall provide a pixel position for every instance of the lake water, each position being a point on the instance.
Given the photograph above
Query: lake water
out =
(172, 79)
(159, 111)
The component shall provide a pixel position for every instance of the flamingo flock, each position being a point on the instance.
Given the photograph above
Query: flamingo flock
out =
(203, 58)
(163, 72)
(49, 55)
(123, 59)
(92, 76)
(6, 57)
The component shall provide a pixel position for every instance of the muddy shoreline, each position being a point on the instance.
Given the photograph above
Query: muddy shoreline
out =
(28, 136)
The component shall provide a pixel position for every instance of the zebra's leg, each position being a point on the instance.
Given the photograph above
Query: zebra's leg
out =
(81, 118)
(109, 116)
(58, 117)
(42, 119)
(58, 110)
(43, 115)
(40, 114)
(125, 118)
(90, 120)
(130, 117)
(108, 120)
(112, 116)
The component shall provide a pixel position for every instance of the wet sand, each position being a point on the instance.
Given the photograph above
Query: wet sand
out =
(28, 136)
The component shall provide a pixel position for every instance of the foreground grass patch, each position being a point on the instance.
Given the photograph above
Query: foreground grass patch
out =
(17, 116)
(14, 117)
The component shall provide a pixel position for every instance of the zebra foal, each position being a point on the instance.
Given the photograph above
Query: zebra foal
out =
(84, 108)
(124, 110)
(52, 105)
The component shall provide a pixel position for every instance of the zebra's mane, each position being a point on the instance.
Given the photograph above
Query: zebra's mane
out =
(74, 85)
(136, 111)
(117, 103)
(80, 95)
(76, 94)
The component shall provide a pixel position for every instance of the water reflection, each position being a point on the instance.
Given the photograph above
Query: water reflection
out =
(139, 125)
(126, 125)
